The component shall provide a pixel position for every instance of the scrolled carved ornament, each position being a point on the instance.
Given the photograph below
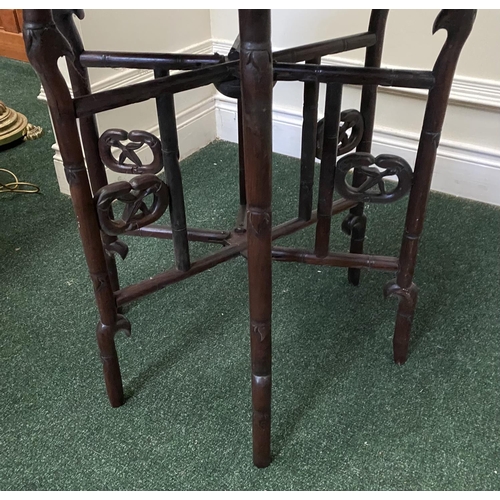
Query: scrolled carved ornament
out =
(374, 188)
(137, 211)
(350, 132)
(128, 161)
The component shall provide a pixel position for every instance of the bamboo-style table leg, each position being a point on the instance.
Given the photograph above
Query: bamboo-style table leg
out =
(327, 170)
(308, 149)
(356, 220)
(165, 107)
(240, 226)
(241, 155)
(256, 93)
(80, 84)
(39, 33)
(458, 23)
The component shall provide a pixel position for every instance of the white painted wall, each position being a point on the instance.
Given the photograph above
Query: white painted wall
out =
(408, 42)
(149, 31)
(469, 157)
(469, 160)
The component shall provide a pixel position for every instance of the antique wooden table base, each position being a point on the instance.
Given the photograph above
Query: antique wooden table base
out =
(248, 73)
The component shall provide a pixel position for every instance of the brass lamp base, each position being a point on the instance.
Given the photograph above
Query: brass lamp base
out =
(14, 126)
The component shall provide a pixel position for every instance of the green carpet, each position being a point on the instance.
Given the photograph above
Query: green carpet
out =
(344, 416)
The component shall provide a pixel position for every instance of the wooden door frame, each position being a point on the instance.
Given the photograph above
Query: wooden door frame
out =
(11, 36)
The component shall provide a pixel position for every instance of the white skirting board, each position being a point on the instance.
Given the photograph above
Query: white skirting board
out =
(195, 123)
(461, 170)
(195, 128)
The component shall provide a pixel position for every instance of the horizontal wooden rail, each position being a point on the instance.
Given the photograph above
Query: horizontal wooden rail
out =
(131, 94)
(145, 287)
(237, 245)
(165, 233)
(325, 47)
(147, 60)
(352, 260)
(294, 225)
(354, 76)
(116, 98)
(172, 61)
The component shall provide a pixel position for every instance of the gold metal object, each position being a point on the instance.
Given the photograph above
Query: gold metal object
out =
(14, 125)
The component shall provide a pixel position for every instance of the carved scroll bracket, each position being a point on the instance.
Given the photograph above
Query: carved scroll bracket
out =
(129, 162)
(116, 247)
(109, 331)
(406, 296)
(260, 329)
(259, 222)
(350, 132)
(355, 226)
(374, 189)
(40, 31)
(137, 212)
